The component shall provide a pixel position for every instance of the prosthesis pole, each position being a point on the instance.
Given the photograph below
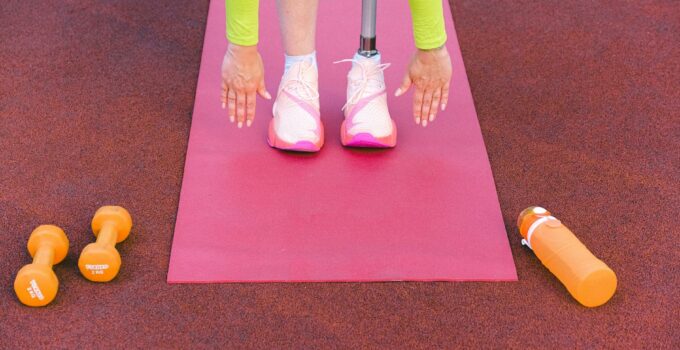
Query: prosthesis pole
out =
(367, 39)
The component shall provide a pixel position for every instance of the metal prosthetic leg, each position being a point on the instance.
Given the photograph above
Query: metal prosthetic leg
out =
(367, 39)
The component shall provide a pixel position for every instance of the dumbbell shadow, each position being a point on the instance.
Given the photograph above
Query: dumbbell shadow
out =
(100, 261)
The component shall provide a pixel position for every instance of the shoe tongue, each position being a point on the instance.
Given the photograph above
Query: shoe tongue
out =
(362, 62)
(365, 66)
(299, 74)
(303, 70)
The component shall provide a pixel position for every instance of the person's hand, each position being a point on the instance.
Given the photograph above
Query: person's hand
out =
(242, 79)
(430, 72)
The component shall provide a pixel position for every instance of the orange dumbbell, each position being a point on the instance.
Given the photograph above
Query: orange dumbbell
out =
(36, 284)
(589, 280)
(100, 261)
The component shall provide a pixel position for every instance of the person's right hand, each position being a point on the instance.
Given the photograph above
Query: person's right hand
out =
(242, 79)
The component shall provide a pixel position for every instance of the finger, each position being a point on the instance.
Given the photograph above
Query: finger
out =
(231, 101)
(240, 108)
(223, 96)
(405, 85)
(417, 104)
(427, 102)
(445, 96)
(436, 96)
(251, 100)
(262, 91)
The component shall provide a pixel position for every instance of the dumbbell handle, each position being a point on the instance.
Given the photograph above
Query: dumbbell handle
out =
(44, 255)
(108, 235)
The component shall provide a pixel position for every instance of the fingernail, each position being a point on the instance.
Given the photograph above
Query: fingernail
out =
(224, 105)
(269, 96)
(431, 117)
(240, 125)
(249, 123)
(417, 120)
(424, 123)
(443, 106)
(231, 118)
(398, 92)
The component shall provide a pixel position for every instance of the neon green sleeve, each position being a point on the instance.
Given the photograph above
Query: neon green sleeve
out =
(428, 23)
(242, 21)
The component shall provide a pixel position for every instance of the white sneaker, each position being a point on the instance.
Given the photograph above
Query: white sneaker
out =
(367, 119)
(296, 125)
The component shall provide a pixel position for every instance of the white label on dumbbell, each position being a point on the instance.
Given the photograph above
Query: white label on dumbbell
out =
(35, 291)
(97, 269)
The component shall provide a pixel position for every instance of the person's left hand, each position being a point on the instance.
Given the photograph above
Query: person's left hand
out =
(430, 72)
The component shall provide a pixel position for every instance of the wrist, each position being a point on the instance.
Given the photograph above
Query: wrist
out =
(437, 50)
(241, 50)
(433, 54)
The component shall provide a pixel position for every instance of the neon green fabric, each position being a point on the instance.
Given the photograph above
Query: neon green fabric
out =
(242, 21)
(428, 22)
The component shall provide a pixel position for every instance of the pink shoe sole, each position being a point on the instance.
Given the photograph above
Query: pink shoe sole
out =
(366, 140)
(300, 146)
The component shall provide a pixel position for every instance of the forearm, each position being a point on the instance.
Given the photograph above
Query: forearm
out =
(242, 21)
(428, 23)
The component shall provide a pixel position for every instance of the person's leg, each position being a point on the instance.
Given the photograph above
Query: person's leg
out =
(367, 118)
(298, 25)
(297, 19)
(296, 124)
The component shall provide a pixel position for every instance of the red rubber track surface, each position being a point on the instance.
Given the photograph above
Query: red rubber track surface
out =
(578, 102)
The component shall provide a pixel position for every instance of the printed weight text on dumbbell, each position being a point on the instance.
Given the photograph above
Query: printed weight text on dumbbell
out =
(97, 269)
(34, 291)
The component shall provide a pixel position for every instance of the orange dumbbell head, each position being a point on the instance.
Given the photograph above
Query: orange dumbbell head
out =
(100, 261)
(36, 284)
(116, 215)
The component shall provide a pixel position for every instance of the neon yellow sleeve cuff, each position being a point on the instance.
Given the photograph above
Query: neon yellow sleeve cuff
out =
(428, 23)
(242, 21)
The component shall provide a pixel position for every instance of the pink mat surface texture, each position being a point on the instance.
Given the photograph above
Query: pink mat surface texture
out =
(424, 211)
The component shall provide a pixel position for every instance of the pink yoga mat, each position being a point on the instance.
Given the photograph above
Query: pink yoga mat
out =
(426, 210)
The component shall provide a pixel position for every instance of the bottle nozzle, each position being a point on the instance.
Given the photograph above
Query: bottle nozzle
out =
(528, 216)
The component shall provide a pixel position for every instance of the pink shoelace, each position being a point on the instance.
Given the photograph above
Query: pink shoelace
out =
(370, 76)
(298, 86)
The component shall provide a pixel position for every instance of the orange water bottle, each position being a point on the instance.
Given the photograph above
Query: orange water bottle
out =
(587, 278)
